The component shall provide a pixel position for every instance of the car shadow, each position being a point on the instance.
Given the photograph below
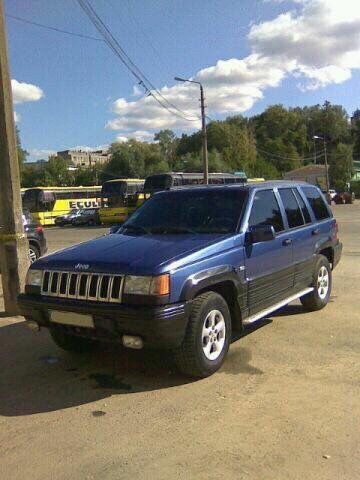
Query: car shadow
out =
(36, 376)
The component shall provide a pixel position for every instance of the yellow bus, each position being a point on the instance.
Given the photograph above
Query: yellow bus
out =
(119, 198)
(47, 203)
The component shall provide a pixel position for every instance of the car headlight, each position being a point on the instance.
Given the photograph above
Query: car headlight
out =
(34, 277)
(159, 285)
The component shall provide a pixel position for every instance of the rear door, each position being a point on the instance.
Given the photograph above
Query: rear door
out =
(269, 265)
(301, 235)
(323, 226)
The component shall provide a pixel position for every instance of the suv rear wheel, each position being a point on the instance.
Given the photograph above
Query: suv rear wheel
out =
(207, 336)
(322, 282)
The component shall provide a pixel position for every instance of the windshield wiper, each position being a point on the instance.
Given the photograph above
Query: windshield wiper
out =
(171, 229)
(135, 228)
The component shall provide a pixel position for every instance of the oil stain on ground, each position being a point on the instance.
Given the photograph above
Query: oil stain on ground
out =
(112, 382)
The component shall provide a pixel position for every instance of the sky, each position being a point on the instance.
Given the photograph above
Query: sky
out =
(72, 91)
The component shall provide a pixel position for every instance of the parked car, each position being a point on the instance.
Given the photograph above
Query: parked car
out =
(189, 268)
(67, 219)
(36, 238)
(332, 193)
(344, 197)
(87, 216)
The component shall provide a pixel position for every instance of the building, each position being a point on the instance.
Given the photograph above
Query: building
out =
(80, 158)
(314, 174)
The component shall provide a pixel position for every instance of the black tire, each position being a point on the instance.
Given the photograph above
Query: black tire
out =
(314, 301)
(190, 357)
(71, 343)
(34, 252)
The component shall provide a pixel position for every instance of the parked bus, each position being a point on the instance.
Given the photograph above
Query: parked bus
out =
(165, 181)
(120, 197)
(47, 203)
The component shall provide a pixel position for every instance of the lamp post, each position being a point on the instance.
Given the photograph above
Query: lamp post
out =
(317, 137)
(203, 126)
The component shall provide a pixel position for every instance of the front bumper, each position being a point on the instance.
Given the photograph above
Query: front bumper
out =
(158, 326)
(337, 254)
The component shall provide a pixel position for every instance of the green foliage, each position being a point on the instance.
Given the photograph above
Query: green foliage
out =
(56, 173)
(21, 153)
(267, 145)
(355, 131)
(340, 167)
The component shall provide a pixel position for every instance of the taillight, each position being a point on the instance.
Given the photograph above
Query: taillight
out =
(336, 233)
(39, 229)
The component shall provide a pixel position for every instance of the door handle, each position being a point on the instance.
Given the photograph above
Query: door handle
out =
(316, 231)
(287, 241)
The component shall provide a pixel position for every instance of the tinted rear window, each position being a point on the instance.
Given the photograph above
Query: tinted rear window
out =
(292, 209)
(316, 202)
(303, 207)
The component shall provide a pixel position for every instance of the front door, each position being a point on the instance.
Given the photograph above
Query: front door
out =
(268, 265)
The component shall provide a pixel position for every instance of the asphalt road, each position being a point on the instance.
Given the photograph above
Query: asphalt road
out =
(285, 405)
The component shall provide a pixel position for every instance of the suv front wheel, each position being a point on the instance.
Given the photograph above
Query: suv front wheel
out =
(207, 336)
(322, 283)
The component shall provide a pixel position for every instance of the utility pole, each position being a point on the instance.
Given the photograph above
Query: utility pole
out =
(14, 259)
(317, 137)
(204, 137)
(203, 126)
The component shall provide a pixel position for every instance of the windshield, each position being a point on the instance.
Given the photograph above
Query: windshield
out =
(158, 182)
(113, 193)
(202, 211)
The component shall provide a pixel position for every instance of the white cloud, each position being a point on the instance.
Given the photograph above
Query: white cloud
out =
(36, 153)
(317, 41)
(141, 135)
(25, 92)
(86, 148)
(17, 117)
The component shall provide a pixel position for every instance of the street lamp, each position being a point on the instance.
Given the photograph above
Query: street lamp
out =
(203, 125)
(317, 137)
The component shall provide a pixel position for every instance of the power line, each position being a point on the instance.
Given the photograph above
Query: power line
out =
(132, 17)
(55, 29)
(318, 155)
(114, 45)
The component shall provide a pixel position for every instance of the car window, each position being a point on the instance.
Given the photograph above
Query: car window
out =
(316, 202)
(303, 207)
(265, 211)
(199, 211)
(292, 209)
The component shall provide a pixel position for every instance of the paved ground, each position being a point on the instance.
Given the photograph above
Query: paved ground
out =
(285, 405)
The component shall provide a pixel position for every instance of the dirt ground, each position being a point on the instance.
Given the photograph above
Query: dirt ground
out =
(285, 405)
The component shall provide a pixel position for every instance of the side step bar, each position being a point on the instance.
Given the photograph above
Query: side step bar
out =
(267, 311)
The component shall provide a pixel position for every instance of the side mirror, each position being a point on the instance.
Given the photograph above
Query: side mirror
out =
(262, 233)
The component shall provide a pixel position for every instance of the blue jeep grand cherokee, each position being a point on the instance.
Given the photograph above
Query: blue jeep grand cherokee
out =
(189, 267)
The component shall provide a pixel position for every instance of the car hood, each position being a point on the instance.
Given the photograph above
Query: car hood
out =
(137, 255)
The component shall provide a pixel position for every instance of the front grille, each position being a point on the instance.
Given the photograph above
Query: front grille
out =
(82, 286)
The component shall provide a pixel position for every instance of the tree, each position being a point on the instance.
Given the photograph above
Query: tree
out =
(56, 173)
(355, 131)
(167, 142)
(340, 166)
(85, 176)
(21, 153)
(281, 137)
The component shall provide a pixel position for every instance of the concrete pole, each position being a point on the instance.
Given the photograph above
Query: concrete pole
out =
(14, 258)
